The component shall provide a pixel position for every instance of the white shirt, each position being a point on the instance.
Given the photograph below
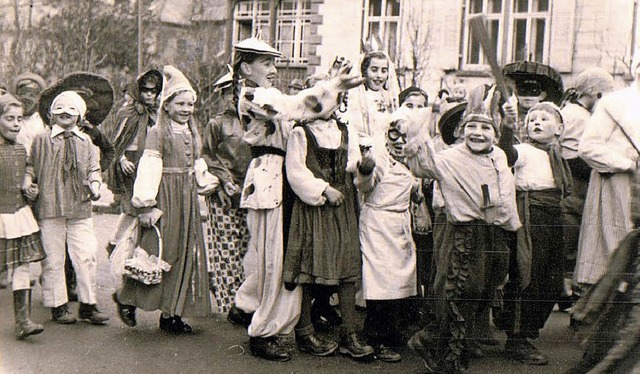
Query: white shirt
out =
(533, 169)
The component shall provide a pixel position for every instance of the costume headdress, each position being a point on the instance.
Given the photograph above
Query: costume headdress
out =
(358, 103)
(483, 106)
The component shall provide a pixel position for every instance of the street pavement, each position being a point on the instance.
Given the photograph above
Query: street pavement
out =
(215, 347)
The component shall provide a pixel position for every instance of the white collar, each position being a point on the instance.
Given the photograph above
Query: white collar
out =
(57, 130)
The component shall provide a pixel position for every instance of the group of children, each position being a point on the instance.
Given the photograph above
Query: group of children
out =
(307, 195)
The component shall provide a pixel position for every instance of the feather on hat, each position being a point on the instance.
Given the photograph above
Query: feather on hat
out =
(483, 106)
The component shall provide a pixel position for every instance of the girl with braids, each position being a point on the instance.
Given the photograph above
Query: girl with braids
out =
(268, 116)
(165, 195)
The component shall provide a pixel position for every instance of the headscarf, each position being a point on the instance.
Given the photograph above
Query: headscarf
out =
(134, 121)
(69, 102)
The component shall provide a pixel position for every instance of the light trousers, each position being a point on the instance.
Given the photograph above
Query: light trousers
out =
(81, 240)
(276, 310)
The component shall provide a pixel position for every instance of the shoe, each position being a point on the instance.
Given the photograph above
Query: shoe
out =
(235, 316)
(174, 325)
(316, 345)
(62, 315)
(352, 346)
(525, 352)
(268, 349)
(385, 354)
(90, 313)
(127, 313)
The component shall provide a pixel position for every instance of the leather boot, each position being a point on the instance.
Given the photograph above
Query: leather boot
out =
(91, 314)
(268, 348)
(21, 310)
(62, 315)
(310, 342)
(351, 345)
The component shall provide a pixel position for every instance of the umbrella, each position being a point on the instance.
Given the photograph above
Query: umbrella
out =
(548, 77)
(94, 89)
(450, 120)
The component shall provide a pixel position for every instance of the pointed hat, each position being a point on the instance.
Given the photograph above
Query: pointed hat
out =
(175, 81)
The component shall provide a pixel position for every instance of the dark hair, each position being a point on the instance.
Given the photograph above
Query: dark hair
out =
(152, 76)
(366, 61)
(238, 58)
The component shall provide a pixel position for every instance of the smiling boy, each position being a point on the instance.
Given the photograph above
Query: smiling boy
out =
(479, 193)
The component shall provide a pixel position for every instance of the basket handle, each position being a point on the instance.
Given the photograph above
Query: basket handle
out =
(159, 242)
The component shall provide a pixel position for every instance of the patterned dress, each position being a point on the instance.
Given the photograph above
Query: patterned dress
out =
(225, 231)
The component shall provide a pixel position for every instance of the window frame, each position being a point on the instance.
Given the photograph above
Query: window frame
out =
(506, 24)
(298, 18)
(383, 19)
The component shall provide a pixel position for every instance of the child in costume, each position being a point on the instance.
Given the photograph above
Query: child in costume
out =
(323, 247)
(610, 147)
(371, 104)
(479, 193)
(134, 121)
(65, 164)
(165, 194)
(20, 242)
(268, 117)
(534, 82)
(542, 180)
(225, 230)
(388, 251)
(578, 105)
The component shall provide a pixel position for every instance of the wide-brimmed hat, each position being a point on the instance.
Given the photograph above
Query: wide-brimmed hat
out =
(549, 79)
(449, 120)
(94, 89)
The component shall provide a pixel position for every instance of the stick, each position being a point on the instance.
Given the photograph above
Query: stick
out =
(479, 30)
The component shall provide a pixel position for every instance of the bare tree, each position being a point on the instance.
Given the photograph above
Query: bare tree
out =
(418, 33)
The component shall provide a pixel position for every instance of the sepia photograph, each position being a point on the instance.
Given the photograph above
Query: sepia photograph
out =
(320, 186)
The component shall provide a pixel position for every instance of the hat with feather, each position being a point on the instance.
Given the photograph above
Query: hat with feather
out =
(483, 105)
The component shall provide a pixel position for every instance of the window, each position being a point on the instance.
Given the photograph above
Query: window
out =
(293, 26)
(530, 31)
(381, 21)
(523, 23)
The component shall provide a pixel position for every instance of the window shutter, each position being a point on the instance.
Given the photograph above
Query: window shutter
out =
(562, 35)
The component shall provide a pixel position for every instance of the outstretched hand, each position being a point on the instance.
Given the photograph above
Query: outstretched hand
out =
(510, 108)
(346, 81)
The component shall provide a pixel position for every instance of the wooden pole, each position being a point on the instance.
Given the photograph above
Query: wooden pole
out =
(140, 41)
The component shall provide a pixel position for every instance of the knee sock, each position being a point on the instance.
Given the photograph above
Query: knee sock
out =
(305, 311)
(347, 294)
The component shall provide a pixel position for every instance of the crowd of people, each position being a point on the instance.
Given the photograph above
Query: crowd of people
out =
(439, 220)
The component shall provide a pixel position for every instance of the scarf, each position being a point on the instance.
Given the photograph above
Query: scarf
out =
(70, 167)
(559, 167)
